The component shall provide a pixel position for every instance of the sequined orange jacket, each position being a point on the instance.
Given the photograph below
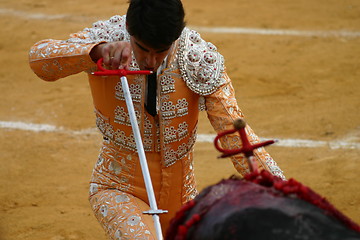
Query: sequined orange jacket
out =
(193, 79)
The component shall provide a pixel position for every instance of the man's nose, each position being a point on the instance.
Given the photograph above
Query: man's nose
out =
(151, 60)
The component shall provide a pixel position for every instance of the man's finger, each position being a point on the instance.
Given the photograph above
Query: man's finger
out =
(116, 59)
(125, 58)
(106, 54)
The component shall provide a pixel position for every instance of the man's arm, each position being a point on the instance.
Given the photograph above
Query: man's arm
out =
(222, 110)
(53, 59)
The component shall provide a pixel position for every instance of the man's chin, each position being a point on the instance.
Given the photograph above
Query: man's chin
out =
(148, 68)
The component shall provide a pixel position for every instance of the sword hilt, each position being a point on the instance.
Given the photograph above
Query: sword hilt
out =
(155, 212)
(247, 148)
(117, 72)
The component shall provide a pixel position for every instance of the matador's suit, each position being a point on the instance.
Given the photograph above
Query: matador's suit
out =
(192, 78)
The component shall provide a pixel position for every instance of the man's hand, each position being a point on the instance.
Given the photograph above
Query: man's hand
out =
(116, 55)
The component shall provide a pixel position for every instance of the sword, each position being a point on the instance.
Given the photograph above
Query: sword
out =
(154, 211)
(247, 148)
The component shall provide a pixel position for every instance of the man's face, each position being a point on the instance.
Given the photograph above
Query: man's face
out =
(147, 57)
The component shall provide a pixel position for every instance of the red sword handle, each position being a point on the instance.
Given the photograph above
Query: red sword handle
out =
(247, 148)
(117, 72)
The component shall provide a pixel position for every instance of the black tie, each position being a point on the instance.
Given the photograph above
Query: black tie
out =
(151, 94)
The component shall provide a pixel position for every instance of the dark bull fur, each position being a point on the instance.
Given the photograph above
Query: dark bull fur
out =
(258, 209)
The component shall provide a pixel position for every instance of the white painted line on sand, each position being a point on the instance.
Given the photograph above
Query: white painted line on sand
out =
(218, 30)
(301, 143)
(31, 16)
(201, 137)
(33, 127)
(279, 32)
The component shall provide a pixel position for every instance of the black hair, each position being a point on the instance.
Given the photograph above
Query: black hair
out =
(157, 23)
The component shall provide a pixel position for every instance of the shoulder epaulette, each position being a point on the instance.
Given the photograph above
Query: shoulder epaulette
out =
(200, 64)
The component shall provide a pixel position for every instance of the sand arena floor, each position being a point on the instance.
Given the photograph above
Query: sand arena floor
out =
(294, 84)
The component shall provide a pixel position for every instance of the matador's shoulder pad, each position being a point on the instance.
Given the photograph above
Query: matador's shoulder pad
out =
(201, 65)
